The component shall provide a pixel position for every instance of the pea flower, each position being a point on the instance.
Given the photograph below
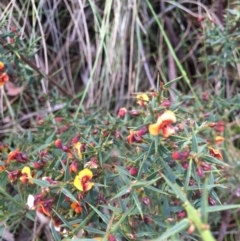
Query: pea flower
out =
(3, 79)
(26, 174)
(18, 156)
(44, 206)
(73, 167)
(142, 99)
(163, 124)
(77, 147)
(1, 65)
(134, 137)
(76, 207)
(82, 180)
(219, 139)
(215, 153)
(13, 154)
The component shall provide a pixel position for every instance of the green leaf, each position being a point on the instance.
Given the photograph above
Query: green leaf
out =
(41, 183)
(204, 202)
(167, 170)
(176, 189)
(103, 217)
(42, 147)
(168, 84)
(138, 204)
(219, 208)
(213, 160)
(166, 209)
(125, 190)
(194, 142)
(9, 197)
(178, 227)
(94, 230)
(68, 194)
(188, 176)
(56, 236)
(50, 138)
(67, 224)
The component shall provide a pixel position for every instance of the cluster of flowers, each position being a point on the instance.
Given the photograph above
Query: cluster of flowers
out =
(43, 202)
(84, 171)
(163, 127)
(4, 78)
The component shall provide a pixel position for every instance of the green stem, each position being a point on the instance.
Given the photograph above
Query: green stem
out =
(195, 217)
(156, 140)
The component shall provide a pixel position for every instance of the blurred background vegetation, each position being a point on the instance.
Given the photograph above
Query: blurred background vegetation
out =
(68, 55)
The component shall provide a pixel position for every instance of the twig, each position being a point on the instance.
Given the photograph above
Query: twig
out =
(33, 66)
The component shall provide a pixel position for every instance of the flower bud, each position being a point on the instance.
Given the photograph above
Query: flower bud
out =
(76, 138)
(211, 201)
(185, 165)
(181, 214)
(122, 112)
(219, 127)
(65, 148)
(147, 219)
(146, 201)
(200, 172)
(38, 165)
(133, 171)
(58, 144)
(176, 155)
(73, 167)
(117, 134)
(191, 229)
(166, 103)
(135, 113)
(142, 131)
(111, 237)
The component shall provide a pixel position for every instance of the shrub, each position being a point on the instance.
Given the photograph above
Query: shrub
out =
(141, 173)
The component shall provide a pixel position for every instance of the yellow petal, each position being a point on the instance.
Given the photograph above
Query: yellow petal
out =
(27, 171)
(77, 183)
(142, 98)
(77, 147)
(85, 172)
(154, 129)
(168, 116)
(219, 139)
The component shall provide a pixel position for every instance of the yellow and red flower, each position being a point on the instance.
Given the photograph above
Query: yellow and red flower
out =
(12, 155)
(82, 180)
(1, 65)
(215, 153)
(163, 124)
(219, 139)
(44, 206)
(26, 174)
(4, 78)
(77, 147)
(76, 207)
(134, 137)
(142, 99)
(73, 167)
